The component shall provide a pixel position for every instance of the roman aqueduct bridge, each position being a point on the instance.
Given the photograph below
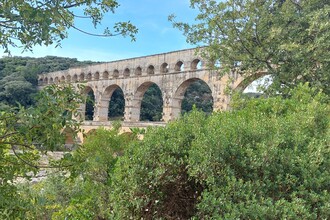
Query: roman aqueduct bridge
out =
(172, 72)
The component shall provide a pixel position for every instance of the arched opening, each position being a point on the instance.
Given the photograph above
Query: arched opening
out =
(115, 74)
(89, 76)
(89, 107)
(112, 105)
(68, 78)
(105, 75)
(56, 79)
(196, 64)
(197, 94)
(116, 105)
(62, 79)
(97, 76)
(164, 68)
(75, 78)
(46, 80)
(40, 81)
(253, 86)
(151, 70)
(151, 103)
(179, 66)
(203, 95)
(82, 77)
(51, 80)
(126, 72)
(138, 71)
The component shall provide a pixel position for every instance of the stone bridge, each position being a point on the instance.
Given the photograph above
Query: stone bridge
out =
(172, 72)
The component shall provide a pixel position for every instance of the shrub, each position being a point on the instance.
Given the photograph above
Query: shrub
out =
(268, 158)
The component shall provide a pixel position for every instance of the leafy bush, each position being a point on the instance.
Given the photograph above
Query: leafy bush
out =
(268, 158)
(84, 192)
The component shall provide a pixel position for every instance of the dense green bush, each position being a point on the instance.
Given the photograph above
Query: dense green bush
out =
(268, 158)
(84, 192)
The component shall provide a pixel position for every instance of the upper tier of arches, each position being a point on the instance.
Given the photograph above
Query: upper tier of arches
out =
(160, 64)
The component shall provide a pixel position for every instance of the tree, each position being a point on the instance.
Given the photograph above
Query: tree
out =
(288, 39)
(27, 132)
(152, 104)
(268, 158)
(29, 22)
(85, 194)
(19, 77)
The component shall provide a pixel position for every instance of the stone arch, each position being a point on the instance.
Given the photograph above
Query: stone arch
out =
(178, 95)
(105, 101)
(75, 78)
(68, 78)
(198, 94)
(56, 80)
(105, 75)
(62, 79)
(51, 80)
(137, 99)
(40, 81)
(239, 83)
(126, 72)
(46, 80)
(96, 76)
(196, 64)
(88, 108)
(82, 77)
(179, 66)
(151, 70)
(89, 76)
(138, 71)
(164, 68)
(115, 73)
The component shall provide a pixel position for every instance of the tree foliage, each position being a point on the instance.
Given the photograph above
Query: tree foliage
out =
(152, 104)
(19, 77)
(28, 23)
(266, 159)
(116, 105)
(198, 94)
(27, 132)
(85, 194)
(288, 39)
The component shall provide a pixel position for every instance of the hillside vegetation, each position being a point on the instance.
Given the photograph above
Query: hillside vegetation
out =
(19, 77)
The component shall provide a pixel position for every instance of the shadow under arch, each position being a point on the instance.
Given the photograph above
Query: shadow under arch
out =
(112, 104)
(197, 94)
(88, 107)
(148, 102)
(181, 92)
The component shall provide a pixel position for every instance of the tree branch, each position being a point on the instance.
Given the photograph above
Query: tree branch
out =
(85, 32)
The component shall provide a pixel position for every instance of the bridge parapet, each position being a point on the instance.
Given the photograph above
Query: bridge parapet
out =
(159, 64)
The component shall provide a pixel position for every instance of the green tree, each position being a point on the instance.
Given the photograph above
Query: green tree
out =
(288, 39)
(198, 94)
(44, 22)
(116, 105)
(152, 104)
(85, 194)
(26, 133)
(268, 158)
(19, 77)
(16, 89)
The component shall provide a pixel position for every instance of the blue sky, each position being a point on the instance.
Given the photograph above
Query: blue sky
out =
(156, 34)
